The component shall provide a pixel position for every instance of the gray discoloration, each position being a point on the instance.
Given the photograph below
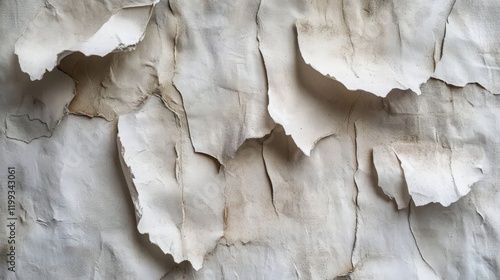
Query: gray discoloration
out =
(23, 128)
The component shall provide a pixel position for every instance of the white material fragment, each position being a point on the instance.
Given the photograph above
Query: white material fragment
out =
(151, 200)
(374, 46)
(178, 195)
(92, 28)
(390, 175)
(121, 32)
(104, 86)
(427, 172)
(471, 49)
(220, 74)
(74, 216)
(439, 174)
(308, 105)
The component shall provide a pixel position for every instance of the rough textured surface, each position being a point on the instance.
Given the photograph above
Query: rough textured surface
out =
(470, 45)
(165, 177)
(375, 46)
(22, 128)
(103, 27)
(250, 139)
(220, 74)
(427, 172)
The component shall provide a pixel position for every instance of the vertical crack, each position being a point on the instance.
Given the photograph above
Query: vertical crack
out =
(415, 239)
(181, 127)
(257, 21)
(357, 194)
(180, 179)
(176, 39)
(270, 183)
(348, 27)
(441, 47)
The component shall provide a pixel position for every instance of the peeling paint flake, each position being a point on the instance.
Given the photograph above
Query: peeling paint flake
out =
(250, 139)
(220, 75)
(92, 28)
(439, 174)
(375, 46)
(178, 194)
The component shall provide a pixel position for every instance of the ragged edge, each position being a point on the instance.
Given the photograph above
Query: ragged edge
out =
(60, 55)
(120, 47)
(437, 54)
(98, 111)
(298, 24)
(175, 104)
(179, 110)
(404, 195)
(176, 41)
(183, 130)
(223, 157)
(274, 117)
(129, 176)
(413, 194)
(429, 198)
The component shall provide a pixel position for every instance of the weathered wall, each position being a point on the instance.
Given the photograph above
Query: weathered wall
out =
(250, 139)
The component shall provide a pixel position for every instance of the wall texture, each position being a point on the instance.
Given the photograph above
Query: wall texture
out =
(249, 139)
